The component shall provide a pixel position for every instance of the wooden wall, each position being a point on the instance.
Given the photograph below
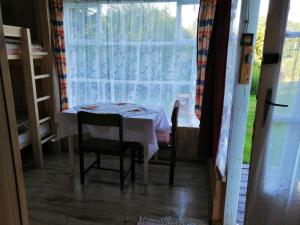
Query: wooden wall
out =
(187, 146)
(20, 13)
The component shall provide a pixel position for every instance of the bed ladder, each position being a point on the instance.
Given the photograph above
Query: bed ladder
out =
(33, 101)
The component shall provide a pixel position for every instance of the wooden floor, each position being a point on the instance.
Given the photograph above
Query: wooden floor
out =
(242, 196)
(55, 198)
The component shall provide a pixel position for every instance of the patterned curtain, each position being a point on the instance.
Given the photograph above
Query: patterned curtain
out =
(56, 15)
(205, 25)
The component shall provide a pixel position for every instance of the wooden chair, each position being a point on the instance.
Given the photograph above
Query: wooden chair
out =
(104, 146)
(167, 146)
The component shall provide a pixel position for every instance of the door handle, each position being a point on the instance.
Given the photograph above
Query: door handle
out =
(276, 104)
(269, 103)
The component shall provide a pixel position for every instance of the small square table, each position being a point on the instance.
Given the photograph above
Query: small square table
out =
(141, 124)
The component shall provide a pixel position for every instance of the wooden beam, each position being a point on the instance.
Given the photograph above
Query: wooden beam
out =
(49, 138)
(44, 119)
(9, 213)
(217, 195)
(8, 96)
(42, 76)
(18, 57)
(41, 99)
(12, 31)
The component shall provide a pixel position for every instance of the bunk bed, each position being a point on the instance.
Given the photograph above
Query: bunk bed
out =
(33, 128)
(14, 50)
(24, 131)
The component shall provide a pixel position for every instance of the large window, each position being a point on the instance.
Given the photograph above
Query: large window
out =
(132, 51)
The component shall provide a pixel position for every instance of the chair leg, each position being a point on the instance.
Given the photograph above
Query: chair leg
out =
(121, 171)
(81, 160)
(140, 156)
(98, 160)
(132, 165)
(171, 178)
(172, 167)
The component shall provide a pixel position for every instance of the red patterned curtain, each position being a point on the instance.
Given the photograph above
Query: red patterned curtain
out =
(56, 15)
(214, 82)
(205, 25)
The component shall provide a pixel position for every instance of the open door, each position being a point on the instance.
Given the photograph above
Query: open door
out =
(274, 178)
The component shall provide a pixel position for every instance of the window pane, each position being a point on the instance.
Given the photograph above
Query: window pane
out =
(83, 22)
(141, 94)
(167, 98)
(188, 23)
(92, 92)
(141, 52)
(183, 66)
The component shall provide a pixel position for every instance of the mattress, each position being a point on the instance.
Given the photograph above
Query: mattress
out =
(24, 132)
(13, 47)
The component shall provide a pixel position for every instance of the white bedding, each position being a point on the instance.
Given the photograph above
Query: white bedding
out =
(25, 132)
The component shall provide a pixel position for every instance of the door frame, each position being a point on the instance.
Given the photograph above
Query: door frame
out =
(239, 112)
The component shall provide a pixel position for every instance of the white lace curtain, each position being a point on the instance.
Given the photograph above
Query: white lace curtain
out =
(132, 51)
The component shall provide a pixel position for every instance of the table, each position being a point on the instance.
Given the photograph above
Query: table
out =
(140, 124)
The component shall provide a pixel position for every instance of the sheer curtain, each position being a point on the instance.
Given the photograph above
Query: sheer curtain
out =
(132, 51)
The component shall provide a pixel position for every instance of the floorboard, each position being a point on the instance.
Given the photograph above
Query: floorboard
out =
(242, 195)
(57, 198)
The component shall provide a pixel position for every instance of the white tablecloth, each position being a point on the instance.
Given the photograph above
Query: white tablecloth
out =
(140, 123)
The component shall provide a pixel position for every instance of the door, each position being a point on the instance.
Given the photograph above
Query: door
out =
(274, 181)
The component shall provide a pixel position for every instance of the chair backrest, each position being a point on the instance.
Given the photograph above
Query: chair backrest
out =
(95, 119)
(174, 118)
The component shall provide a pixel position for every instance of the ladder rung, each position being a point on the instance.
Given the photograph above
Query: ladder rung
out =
(39, 53)
(48, 138)
(42, 76)
(44, 119)
(43, 98)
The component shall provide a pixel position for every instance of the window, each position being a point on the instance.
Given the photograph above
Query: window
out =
(132, 51)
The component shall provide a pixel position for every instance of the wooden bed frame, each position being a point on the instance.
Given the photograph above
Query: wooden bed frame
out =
(28, 58)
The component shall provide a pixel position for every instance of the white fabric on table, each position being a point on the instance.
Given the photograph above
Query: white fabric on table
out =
(140, 124)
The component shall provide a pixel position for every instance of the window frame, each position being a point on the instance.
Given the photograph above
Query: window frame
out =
(98, 43)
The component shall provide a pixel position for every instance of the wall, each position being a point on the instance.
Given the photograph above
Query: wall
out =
(20, 13)
(187, 144)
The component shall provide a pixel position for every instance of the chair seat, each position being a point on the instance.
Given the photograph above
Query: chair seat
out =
(104, 146)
